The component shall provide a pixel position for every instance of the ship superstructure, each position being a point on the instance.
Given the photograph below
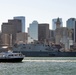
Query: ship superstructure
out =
(41, 50)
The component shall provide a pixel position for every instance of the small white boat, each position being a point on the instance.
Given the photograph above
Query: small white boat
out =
(11, 57)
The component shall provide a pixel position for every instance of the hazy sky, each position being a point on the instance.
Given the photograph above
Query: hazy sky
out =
(41, 10)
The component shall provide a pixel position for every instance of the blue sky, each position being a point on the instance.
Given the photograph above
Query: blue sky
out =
(41, 10)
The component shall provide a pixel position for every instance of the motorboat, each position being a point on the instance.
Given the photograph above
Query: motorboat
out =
(11, 57)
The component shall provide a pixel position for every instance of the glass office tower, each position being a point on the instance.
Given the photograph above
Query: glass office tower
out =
(71, 24)
(33, 32)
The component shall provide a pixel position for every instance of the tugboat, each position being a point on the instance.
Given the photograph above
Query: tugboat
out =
(11, 57)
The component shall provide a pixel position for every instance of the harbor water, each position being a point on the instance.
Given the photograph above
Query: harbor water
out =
(40, 66)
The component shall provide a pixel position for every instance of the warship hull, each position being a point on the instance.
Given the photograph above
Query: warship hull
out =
(47, 54)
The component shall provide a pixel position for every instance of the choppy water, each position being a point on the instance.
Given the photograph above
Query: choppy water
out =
(41, 66)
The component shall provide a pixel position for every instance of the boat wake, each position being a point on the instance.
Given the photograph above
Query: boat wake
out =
(50, 60)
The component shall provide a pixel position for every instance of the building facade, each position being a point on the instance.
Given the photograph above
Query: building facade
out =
(52, 36)
(71, 25)
(62, 36)
(54, 23)
(43, 32)
(17, 24)
(38, 32)
(21, 38)
(11, 28)
(33, 32)
(22, 18)
(5, 39)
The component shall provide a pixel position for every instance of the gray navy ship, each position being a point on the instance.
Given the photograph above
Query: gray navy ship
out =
(41, 50)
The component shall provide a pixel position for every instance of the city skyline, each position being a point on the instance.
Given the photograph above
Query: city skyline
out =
(41, 10)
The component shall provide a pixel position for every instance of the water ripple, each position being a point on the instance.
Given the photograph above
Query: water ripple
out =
(40, 66)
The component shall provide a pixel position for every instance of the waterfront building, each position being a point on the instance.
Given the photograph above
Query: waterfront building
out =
(33, 32)
(5, 40)
(71, 25)
(12, 27)
(0, 38)
(22, 18)
(52, 36)
(17, 24)
(62, 36)
(38, 32)
(43, 32)
(54, 23)
(21, 38)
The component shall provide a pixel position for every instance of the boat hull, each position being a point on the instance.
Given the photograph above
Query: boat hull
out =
(47, 54)
(11, 59)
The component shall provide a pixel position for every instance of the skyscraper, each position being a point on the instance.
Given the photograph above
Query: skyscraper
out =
(54, 23)
(22, 18)
(12, 27)
(43, 32)
(71, 24)
(33, 32)
(38, 32)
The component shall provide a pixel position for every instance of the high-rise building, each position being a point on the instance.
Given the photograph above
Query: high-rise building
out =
(22, 18)
(52, 35)
(38, 32)
(54, 23)
(17, 24)
(71, 25)
(62, 36)
(12, 27)
(43, 32)
(33, 32)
